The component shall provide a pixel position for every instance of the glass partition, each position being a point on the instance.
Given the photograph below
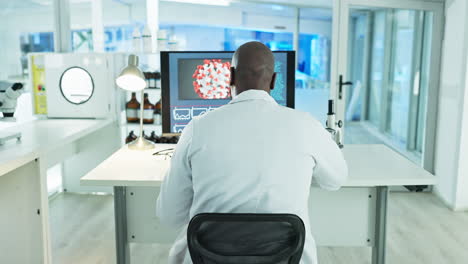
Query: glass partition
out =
(377, 64)
(313, 61)
(389, 69)
(20, 34)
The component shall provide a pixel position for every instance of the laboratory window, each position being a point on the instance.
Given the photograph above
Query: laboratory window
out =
(389, 67)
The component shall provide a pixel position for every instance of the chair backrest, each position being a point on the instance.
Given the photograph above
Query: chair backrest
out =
(246, 238)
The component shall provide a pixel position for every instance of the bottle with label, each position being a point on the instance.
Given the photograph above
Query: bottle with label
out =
(157, 77)
(153, 80)
(147, 79)
(162, 40)
(150, 80)
(131, 109)
(158, 113)
(146, 40)
(172, 44)
(148, 111)
(136, 40)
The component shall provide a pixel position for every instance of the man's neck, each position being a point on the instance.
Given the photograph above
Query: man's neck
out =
(241, 91)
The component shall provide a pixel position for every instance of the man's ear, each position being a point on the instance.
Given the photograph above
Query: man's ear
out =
(273, 81)
(233, 76)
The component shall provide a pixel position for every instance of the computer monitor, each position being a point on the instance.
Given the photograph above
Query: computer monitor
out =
(194, 83)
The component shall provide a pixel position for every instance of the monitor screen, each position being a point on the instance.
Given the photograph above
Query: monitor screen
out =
(194, 83)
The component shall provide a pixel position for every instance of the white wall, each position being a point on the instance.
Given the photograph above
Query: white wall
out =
(451, 144)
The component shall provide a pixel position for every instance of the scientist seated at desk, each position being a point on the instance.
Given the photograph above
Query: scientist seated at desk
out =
(249, 156)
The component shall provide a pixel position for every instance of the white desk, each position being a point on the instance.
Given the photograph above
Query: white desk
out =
(24, 223)
(353, 216)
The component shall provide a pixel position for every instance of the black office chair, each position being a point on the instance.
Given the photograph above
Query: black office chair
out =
(246, 238)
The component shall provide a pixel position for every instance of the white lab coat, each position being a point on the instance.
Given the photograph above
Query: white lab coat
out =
(249, 156)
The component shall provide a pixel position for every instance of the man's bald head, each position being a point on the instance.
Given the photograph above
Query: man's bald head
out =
(253, 67)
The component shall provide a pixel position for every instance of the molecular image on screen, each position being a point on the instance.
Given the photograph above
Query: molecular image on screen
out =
(212, 79)
(280, 87)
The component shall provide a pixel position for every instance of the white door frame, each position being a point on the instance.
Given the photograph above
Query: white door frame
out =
(339, 61)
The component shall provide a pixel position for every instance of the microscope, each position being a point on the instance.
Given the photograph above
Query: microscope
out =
(334, 127)
(9, 95)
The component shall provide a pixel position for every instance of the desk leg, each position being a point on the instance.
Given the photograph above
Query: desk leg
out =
(378, 251)
(120, 212)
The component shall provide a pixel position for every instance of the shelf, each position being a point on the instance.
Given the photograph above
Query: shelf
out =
(146, 89)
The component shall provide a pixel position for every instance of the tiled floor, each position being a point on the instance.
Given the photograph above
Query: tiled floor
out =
(421, 231)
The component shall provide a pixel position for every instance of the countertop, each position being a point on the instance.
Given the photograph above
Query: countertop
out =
(369, 165)
(40, 137)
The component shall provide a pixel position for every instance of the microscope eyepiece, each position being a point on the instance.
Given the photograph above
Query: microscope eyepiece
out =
(17, 86)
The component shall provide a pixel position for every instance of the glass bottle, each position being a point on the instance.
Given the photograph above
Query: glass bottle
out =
(152, 81)
(147, 79)
(131, 108)
(157, 81)
(158, 113)
(148, 111)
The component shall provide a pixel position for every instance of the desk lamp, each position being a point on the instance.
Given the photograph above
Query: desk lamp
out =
(132, 79)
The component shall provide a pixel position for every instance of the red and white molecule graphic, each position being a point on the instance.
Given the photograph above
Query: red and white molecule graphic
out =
(212, 79)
